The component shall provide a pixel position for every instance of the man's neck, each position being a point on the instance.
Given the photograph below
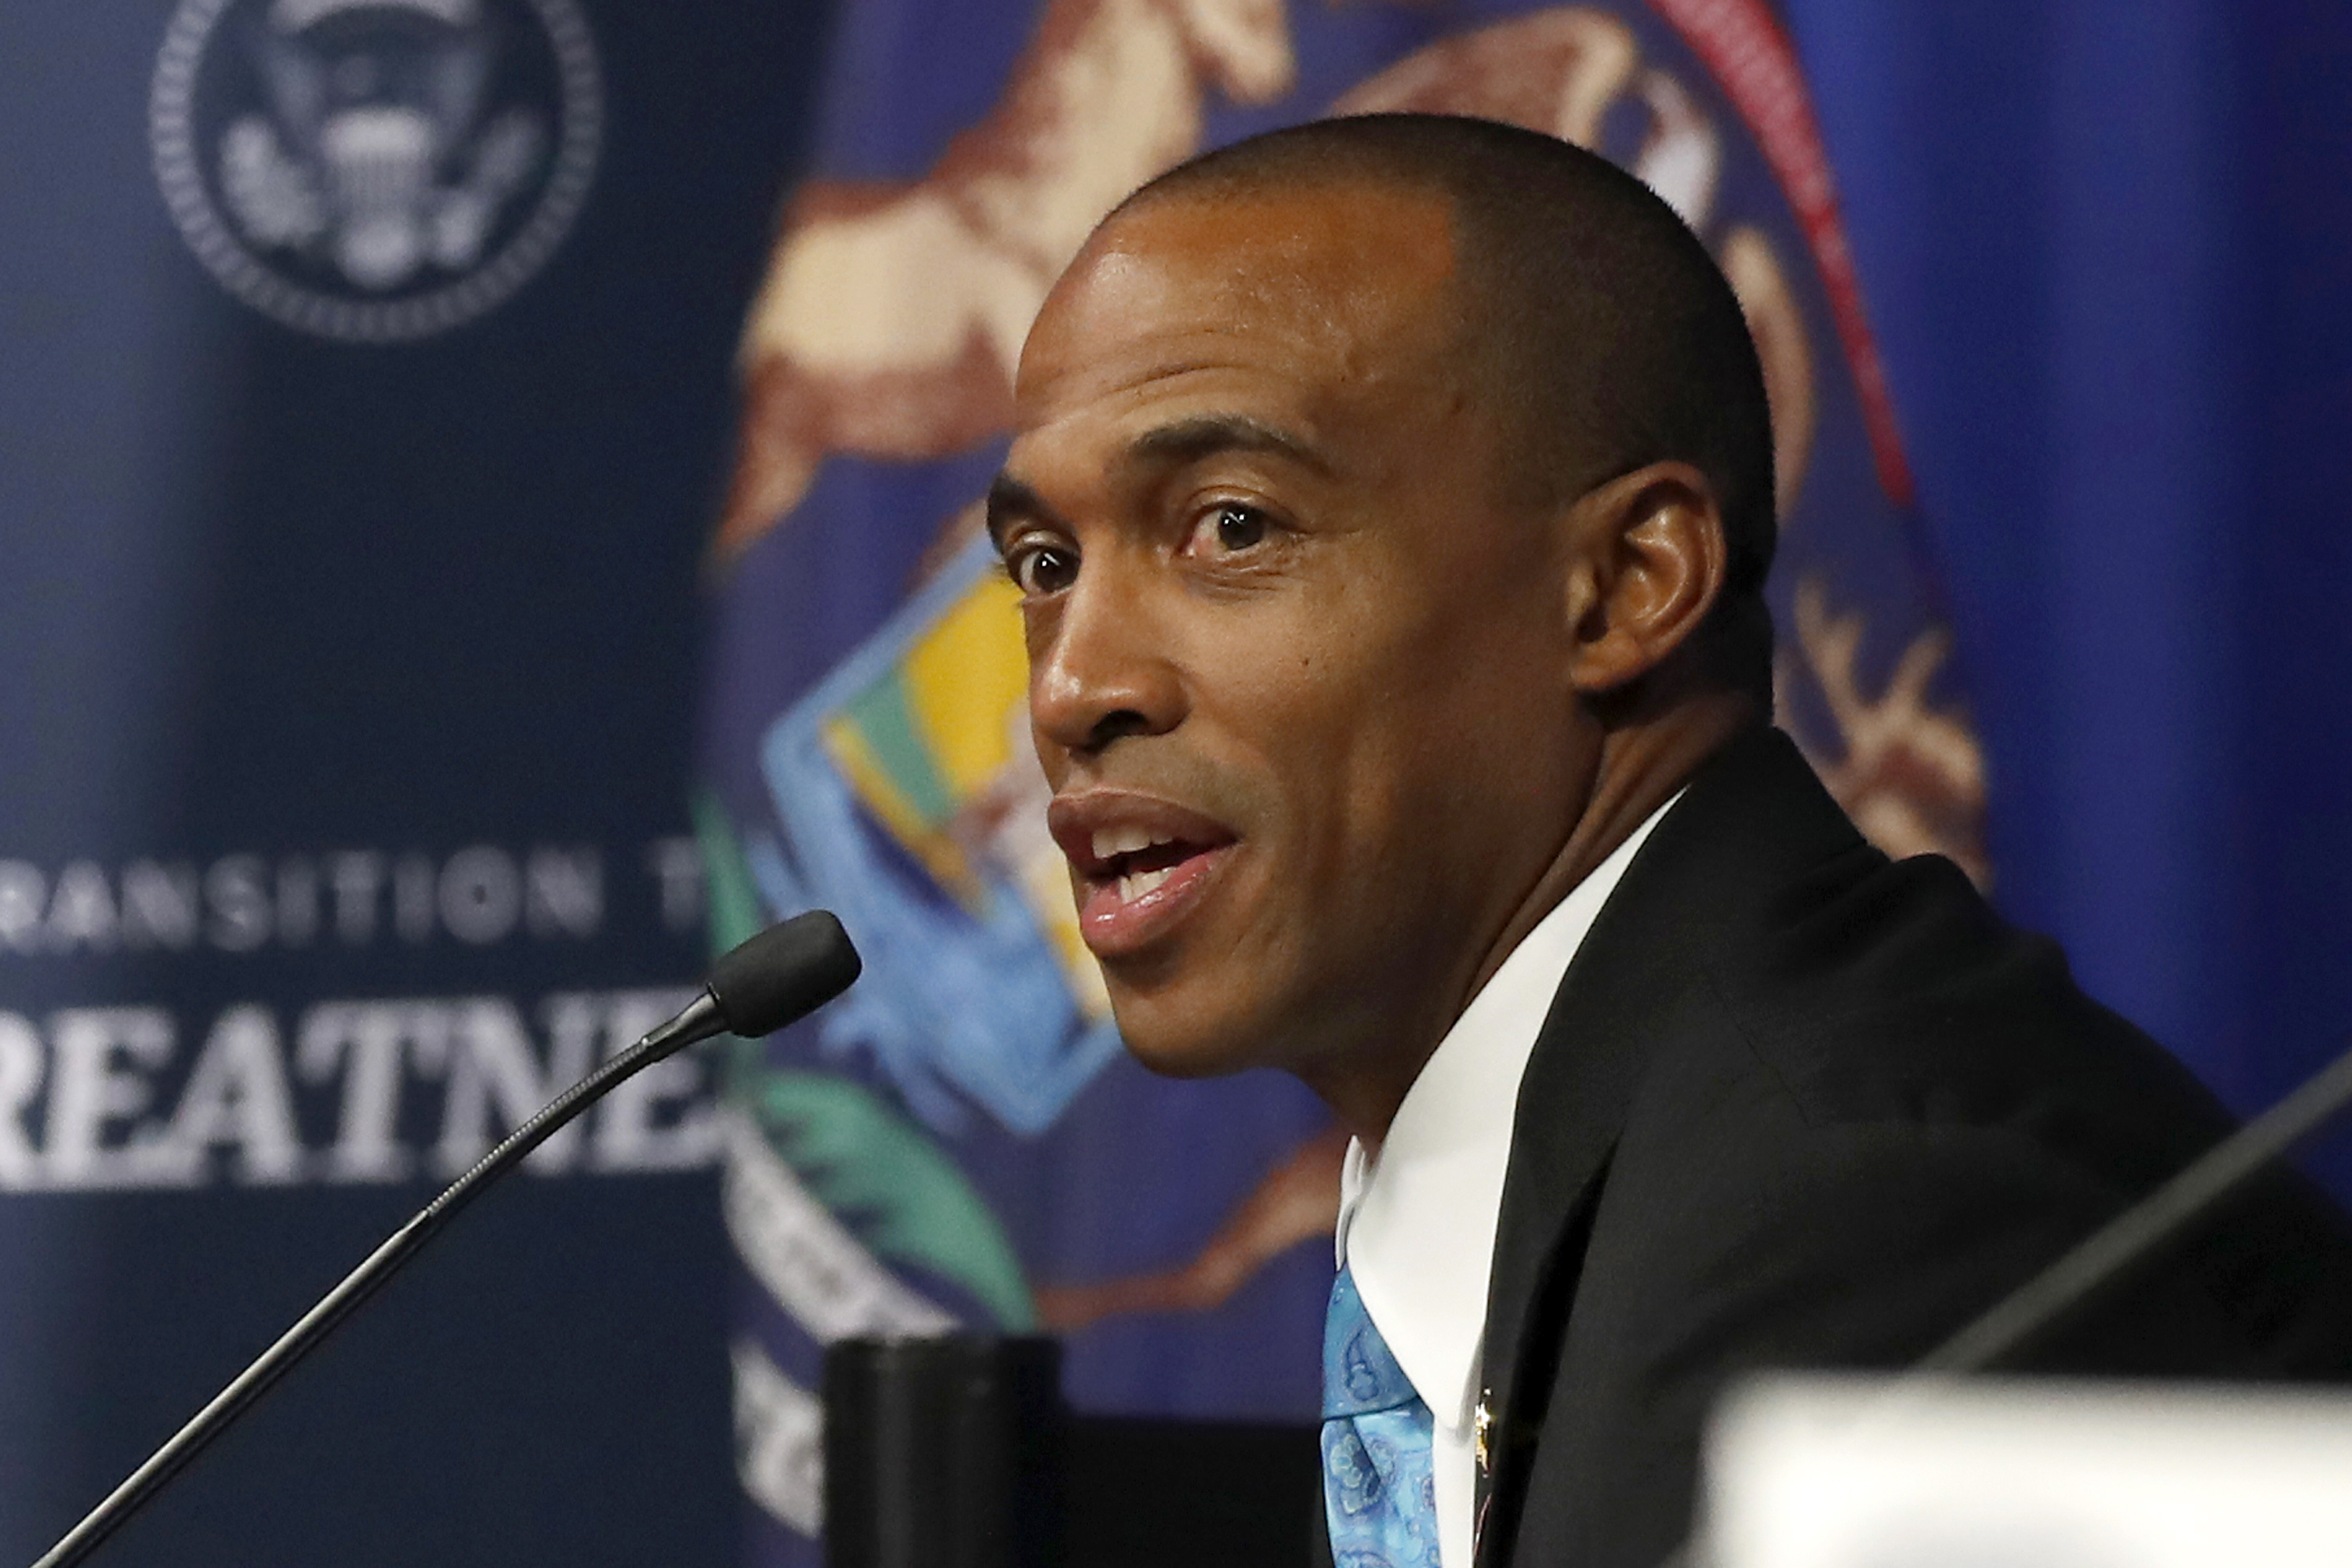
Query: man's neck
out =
(1642, 765)
(1642, 762)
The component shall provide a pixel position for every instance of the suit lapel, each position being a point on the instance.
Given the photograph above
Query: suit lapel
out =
(1754, 818)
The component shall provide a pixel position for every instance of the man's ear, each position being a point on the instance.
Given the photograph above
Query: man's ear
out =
(1648, 559)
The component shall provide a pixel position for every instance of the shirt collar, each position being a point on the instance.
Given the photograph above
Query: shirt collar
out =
(1417, 1217)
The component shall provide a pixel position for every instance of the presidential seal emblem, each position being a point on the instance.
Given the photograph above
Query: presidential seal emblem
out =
(375, 170)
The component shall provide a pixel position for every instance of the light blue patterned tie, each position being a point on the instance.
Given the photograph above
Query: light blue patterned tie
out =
(1378, 1487)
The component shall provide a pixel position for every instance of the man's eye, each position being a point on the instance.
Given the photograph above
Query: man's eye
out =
(1231, 528)
(1041, 569)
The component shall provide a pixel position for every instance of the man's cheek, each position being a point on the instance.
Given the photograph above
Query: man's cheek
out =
(1051, 758)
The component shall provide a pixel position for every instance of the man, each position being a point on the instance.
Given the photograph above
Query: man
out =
(1392, 502)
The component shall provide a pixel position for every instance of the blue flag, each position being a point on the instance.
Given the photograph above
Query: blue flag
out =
(962, 1140)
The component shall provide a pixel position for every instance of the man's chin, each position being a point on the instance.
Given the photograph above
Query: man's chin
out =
(1188, 1046)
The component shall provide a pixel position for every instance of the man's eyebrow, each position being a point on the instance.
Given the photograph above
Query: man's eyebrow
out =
(1171, 445)
(1205, 436)
(1009, 500)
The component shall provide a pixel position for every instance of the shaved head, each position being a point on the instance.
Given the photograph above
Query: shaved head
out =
(1588, 314)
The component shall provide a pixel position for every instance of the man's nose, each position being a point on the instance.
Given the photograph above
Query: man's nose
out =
(1106, 672)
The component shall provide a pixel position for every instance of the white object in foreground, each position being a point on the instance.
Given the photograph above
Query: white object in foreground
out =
(1863, 1472)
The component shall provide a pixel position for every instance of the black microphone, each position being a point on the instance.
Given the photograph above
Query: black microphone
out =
(785, 973)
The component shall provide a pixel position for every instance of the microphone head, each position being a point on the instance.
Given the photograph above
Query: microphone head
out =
(787, 971)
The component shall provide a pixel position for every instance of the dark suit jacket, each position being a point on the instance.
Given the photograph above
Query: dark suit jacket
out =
(1796, 1104)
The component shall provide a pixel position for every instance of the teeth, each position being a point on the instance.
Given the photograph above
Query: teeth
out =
(1136, 884)
(1111, 841)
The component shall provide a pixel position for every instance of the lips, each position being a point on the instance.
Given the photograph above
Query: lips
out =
(1142, 865)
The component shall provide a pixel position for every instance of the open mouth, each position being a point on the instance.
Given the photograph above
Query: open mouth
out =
(1130, 863)
(1140, 866)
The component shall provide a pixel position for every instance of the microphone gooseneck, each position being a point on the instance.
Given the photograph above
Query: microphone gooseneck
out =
(784, 973)
(2110, 1255)
(2107, 1254)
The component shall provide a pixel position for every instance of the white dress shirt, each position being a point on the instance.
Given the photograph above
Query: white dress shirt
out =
(1417, 1216)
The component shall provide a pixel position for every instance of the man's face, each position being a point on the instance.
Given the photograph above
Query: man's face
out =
(1298, 668)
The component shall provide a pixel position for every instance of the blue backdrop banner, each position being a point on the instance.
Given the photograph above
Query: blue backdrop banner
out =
(364, 381)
